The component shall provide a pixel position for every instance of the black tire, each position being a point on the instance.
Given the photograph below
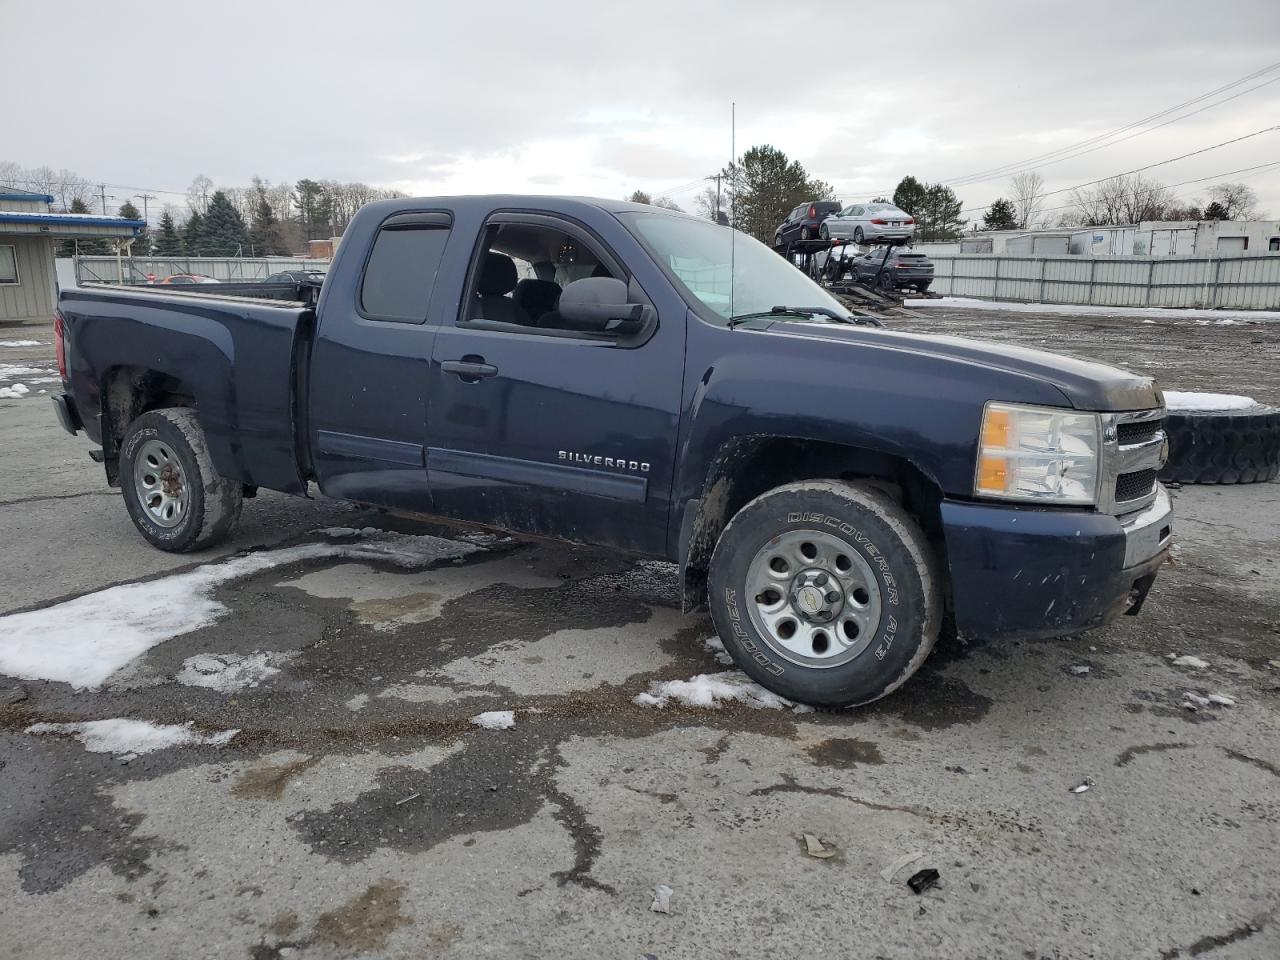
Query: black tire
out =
(1223, 446)
(875, 528)
(212, 503)
(823, 232)
(859, 237)
(805, 233)
(777, 240)
(886, 281)
(922, 287)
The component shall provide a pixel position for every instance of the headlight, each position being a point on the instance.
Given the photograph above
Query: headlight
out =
(1041, 454)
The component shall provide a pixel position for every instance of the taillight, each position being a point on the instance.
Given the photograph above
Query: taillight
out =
(813, 211)
(60, 342)
(909, 220)
(878, 222)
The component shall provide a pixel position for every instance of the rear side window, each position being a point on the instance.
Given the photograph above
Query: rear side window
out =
(402, 268)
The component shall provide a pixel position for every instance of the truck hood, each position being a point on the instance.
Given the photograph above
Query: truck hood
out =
(1085, 384)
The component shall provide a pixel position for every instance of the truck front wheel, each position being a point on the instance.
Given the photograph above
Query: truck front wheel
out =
(171, 491)
(826, 592)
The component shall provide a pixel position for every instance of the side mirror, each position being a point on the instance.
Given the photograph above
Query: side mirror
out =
(599, 305)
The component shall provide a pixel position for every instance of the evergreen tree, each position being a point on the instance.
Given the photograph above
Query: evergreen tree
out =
(85, 248)
(142, 242)
(1215, 211)
(765, 185)
(1001, 215)
(224, 230)
(910, 196)
(640, 196)
(934, 206)
(264, 235)
(193, 242)
(314, 210)
(168, 241)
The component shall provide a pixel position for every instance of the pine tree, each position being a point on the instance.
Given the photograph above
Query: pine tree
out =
(1215, 211)
(142, 242)
(639, 196)
(768, 185)
(910, 196)
(168, 241)
(193, 241)
(85, 248)
(224, 231)
(934, 206)
(1001, 215)
(264, 235)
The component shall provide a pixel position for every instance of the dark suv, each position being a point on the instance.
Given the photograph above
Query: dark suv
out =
(802, 223)
(902, 268)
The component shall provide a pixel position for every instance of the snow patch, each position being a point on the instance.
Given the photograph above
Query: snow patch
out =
(24, 343)
(1075, 309)
(711, 690)
(9, 371)
(1187, 660)
(230, 672)
(1179, 400)
(130, 737)
(495, 719)
(15, 392)
(716, 646)
(84, 641)
(358, 702)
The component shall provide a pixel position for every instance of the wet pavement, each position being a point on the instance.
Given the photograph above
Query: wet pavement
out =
(360, 812)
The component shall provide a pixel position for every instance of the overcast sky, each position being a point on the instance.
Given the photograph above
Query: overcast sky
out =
(603, 98)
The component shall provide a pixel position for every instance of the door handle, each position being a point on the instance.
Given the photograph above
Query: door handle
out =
(470, 369)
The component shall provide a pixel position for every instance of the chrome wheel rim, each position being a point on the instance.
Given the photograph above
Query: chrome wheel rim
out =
(160, 483)
(813, 598)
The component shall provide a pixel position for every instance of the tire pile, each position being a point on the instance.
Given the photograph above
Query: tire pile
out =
(1223, 446)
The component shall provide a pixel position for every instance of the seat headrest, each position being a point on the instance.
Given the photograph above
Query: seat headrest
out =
(498, 275)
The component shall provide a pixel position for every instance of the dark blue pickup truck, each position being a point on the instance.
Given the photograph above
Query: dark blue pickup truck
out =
(626, 376)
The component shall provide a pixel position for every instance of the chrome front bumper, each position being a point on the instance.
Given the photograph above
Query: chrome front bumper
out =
(1148, 533)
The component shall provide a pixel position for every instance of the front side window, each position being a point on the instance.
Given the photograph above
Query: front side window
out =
(726, 270)
(8, 264)
(401, 271)
(523, 269)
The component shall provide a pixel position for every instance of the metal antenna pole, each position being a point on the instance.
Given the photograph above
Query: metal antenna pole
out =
(733, 197)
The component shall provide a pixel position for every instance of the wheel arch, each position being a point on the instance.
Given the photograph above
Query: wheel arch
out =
(127, 393)
(746, 466)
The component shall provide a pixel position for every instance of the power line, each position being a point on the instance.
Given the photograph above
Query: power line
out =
(1006, 167)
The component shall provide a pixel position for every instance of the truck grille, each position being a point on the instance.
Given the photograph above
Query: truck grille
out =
(1138, 431)
(1134, 486)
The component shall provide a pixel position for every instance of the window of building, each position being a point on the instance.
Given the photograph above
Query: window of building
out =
(8, 264)
(1273, 243)
(401, 272)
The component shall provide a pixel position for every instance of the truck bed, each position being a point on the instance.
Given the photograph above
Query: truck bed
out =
(232, 358)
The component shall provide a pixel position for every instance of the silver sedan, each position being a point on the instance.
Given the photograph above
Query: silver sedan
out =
(862, 222)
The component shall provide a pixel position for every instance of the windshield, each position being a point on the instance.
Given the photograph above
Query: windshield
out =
(696, 253)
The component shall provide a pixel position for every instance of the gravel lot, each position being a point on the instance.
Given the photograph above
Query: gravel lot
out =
(360, 812)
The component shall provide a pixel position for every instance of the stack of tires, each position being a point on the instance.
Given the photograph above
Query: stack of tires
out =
(1236, 444)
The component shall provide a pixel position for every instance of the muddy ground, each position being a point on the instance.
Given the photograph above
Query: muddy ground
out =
(359, 812)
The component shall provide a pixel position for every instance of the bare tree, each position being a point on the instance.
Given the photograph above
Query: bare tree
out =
(1238, 200)
(1025, 191)
(1123, 199)
(198, 194)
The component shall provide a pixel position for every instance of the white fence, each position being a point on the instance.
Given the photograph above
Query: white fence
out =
(1242, 282)
(136, 269)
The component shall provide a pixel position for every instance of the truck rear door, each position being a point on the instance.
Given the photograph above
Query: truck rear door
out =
(367, 381)
(535, 428)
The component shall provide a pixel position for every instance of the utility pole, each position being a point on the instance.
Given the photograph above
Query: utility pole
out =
(144, 197)
(102, 190)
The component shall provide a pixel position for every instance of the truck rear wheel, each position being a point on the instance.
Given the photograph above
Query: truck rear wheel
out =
(171, 491)
(826, 593)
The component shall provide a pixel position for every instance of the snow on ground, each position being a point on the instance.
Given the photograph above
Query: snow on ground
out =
(1188, 660)
(9, 371)
(229, 672)
(15, 392)
(1171, 313)
(24, 343)
(84, 641)
(716, 646)
(130, 737)
(495, 719)
(713, 689)
(1179, 400)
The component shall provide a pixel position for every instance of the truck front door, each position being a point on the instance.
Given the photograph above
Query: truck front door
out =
(533, 427)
